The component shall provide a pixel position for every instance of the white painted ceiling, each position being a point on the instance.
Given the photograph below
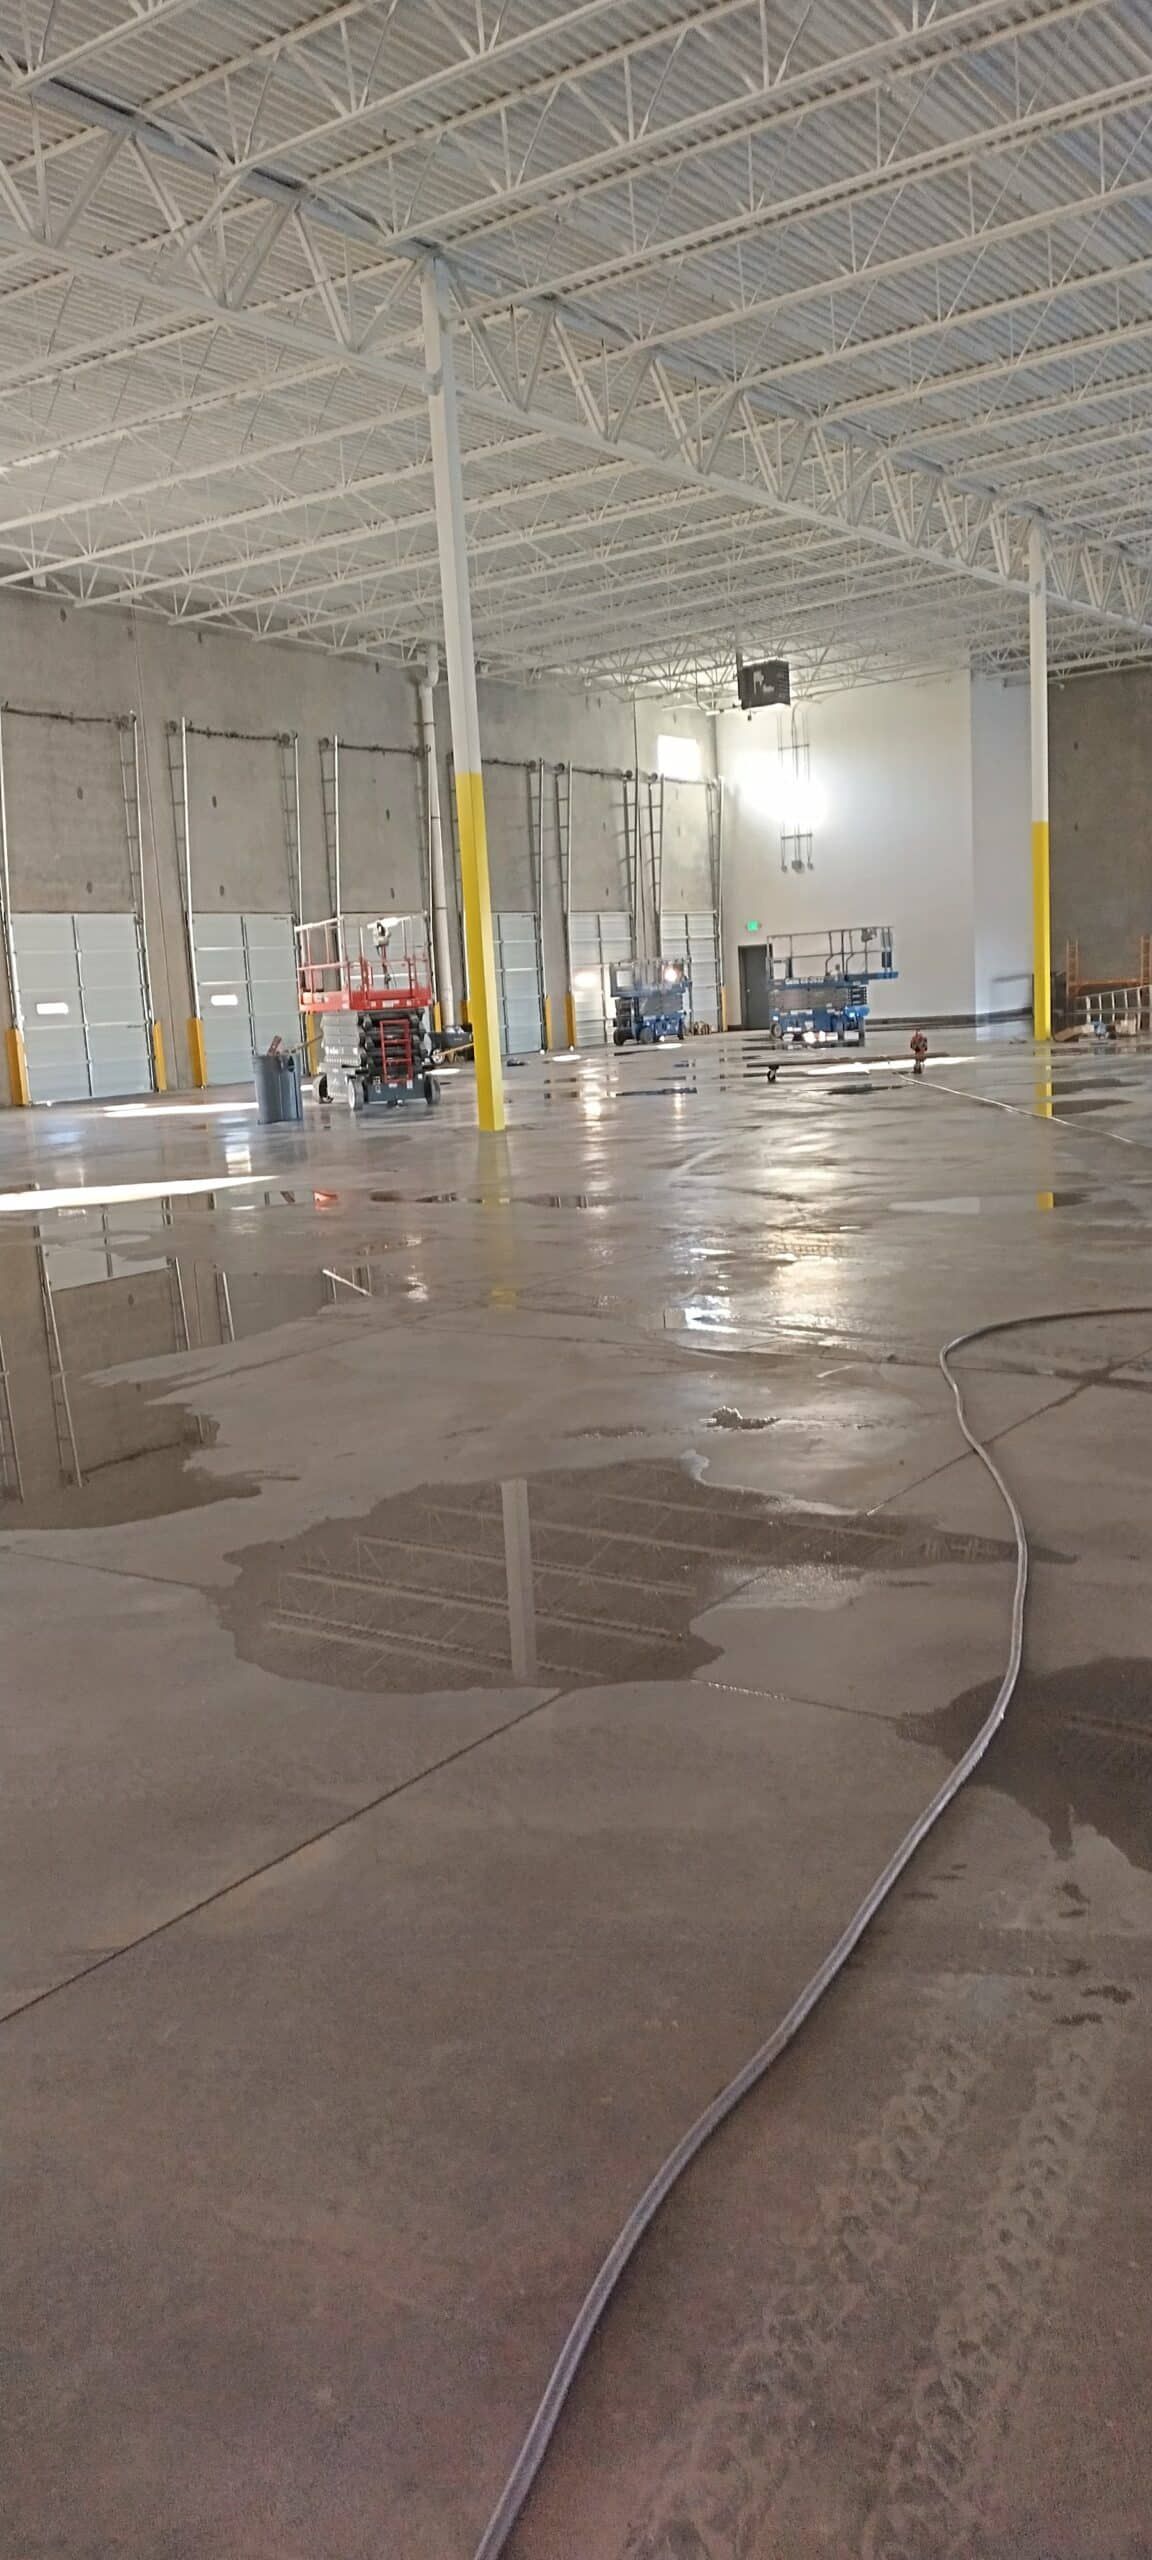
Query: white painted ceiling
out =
(779, 324)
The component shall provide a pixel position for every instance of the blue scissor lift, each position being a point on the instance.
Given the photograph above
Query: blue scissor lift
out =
(651, 1000)
(818, 983)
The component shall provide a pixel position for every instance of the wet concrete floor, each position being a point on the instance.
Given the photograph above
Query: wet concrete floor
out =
(476, 1615)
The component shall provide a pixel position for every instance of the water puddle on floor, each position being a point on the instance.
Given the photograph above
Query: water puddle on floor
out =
(1075, 1748)
(574, 1578)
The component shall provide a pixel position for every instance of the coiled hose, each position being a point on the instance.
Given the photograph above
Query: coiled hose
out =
(494, 2541)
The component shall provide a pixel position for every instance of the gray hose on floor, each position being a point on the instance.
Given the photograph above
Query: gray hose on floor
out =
(535, 2446)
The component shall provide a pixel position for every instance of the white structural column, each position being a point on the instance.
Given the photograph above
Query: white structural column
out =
(1041, 879)
(441, 943)
(14, 1037)
(448, 487)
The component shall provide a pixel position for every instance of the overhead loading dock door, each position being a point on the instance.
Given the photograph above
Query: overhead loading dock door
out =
(598, 939)
(82, 988)
(518, 981)
(694, 938)
(273, 995)
(246, 967)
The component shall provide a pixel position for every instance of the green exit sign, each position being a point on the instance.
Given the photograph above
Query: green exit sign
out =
(753, 925)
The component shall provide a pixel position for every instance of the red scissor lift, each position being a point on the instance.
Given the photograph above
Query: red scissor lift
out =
(370, 991)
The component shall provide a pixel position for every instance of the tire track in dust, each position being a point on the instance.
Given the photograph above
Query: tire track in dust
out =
(933, 2499)
(719, 2489)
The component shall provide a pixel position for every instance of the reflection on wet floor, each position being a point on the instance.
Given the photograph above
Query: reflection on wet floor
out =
(78, 1449)
(1070, 1103)
(585, 1578)
(488, 1199)
(1075, 1748)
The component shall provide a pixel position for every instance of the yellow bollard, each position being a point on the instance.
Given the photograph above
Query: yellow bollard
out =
(18, 1069)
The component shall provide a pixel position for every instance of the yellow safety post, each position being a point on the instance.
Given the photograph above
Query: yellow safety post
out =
(159, 1065)
(480, 944)
(199, 1062)
(17, 1069)
(1041, 931)
(548, 1022)
(570, 1018)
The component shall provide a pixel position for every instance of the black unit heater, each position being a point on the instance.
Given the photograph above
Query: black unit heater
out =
(764, 686)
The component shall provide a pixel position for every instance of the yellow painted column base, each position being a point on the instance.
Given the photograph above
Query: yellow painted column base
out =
(570, 1018)
(472, 835)
(197, 1058)
(548, 1022)
(1041, 932)
(159, 1063)
(437, 1016)
(723, 1008)
(312, 1043)
(17, 1069)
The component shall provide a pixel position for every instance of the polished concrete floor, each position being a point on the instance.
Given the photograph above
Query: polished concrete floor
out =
(475, 1616)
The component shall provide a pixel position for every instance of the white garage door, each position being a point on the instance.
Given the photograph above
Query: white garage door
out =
(85, 1028)
(112, 987)
(598, 939)
(518, 981)
(272, 988)
(246, 966)
(224, 1011)
(693, 938)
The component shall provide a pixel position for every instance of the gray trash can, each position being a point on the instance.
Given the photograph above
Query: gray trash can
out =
(277, 1089)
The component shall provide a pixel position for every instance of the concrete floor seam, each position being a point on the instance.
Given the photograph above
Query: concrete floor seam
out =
(283, 1858)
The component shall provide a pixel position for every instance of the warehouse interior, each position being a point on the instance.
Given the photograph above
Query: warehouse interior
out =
(577, 1723)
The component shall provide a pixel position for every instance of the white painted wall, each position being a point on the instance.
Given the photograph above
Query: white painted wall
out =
(892, 782)
(1001, 848)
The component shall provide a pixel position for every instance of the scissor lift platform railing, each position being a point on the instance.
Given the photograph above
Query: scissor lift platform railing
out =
(342, 969)
(841, 955)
